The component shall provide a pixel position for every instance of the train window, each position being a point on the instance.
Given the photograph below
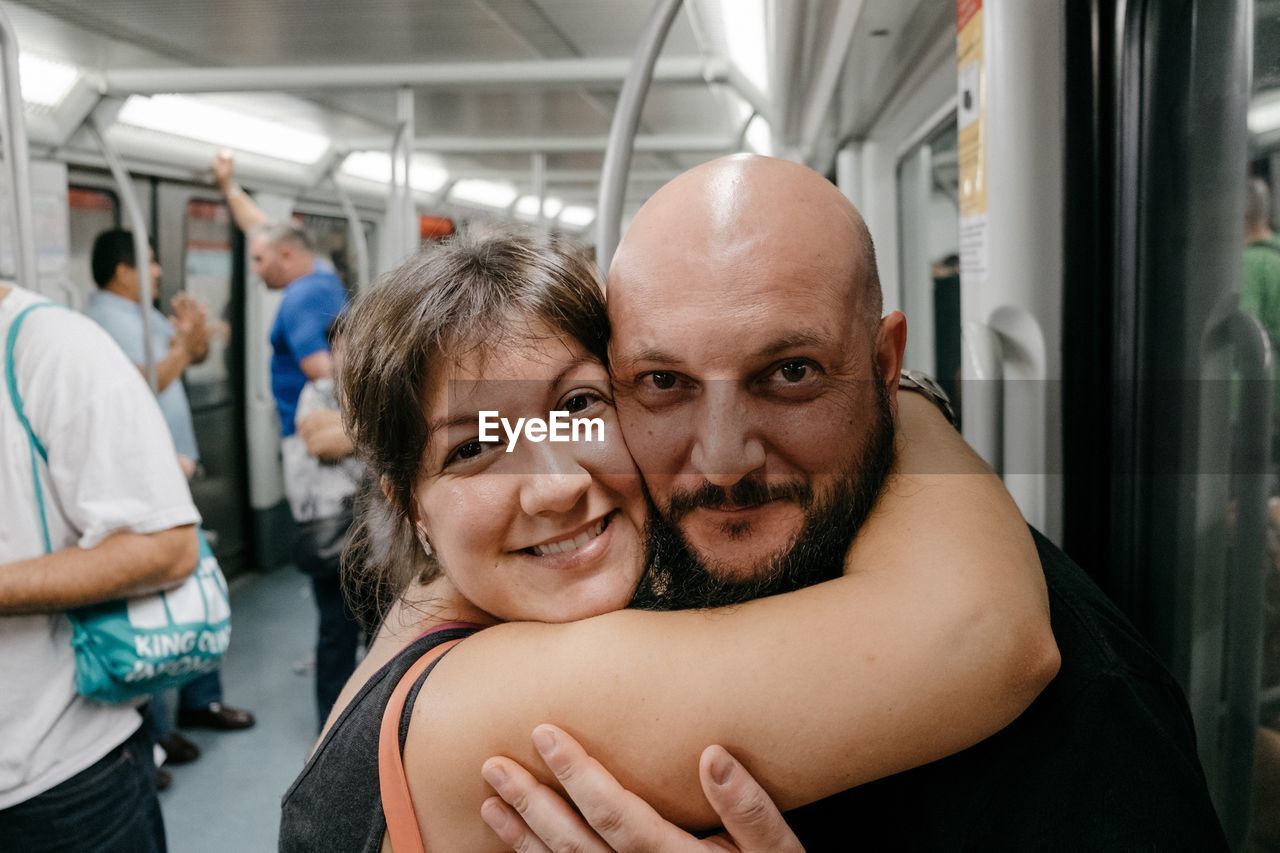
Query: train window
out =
(90, 212)
(207, 276)
(1260, 298)
(929, 235)
(331, 235)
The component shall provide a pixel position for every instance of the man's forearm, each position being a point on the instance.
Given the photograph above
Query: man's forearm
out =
(123, 566)
(170, 367)
(244, 210)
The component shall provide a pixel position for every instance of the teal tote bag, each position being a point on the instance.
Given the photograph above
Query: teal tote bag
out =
(133, 647)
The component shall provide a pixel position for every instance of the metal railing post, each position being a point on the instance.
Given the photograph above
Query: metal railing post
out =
(1247, 584)
(14, 149)
(622, 132)
(141, 246)
(358, 240)
(408, 211)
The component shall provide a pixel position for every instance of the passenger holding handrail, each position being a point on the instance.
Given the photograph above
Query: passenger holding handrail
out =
(244, 211)
(77, 774)
(552, 532)
(314, 297)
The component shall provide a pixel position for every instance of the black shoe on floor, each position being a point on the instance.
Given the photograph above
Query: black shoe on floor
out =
(178, 750)
(215, 716)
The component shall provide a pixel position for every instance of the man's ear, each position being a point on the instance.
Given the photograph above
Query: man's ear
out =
(891, 343)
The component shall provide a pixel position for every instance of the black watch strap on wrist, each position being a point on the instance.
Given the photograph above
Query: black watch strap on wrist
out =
(922, 383)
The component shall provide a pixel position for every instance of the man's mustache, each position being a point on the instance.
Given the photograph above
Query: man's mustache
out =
(746, 494)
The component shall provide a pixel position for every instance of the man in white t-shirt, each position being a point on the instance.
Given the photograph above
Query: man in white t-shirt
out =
(77, 774)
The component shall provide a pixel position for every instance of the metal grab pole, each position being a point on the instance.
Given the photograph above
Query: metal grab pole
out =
(358, 240)
(1247, 585)
(409, 234)
(626, 120)
(14, 148)
(540, 187)
(141, 247)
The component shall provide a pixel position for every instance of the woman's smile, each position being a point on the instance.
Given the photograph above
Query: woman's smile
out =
(576, 549)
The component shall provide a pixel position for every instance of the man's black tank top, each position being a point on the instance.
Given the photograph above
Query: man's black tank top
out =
(335, 802)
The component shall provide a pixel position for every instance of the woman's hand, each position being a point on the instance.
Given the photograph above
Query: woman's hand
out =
(536, 818)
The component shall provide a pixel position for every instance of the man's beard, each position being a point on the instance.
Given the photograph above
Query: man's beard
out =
(676, 579)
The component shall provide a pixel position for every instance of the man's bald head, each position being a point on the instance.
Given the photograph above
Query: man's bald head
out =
(743, 211)
(754, 376)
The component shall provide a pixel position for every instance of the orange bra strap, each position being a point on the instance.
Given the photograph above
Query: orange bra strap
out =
(397, 804)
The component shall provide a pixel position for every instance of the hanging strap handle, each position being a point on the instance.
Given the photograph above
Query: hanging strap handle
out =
(15, 396)
(397, 803)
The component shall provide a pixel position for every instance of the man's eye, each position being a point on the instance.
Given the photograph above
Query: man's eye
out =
(662, 380)
(794, 371)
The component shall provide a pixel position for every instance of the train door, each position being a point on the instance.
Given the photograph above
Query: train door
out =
(929, 246)
(92, 210)
(330, 233)
(1168, 443)
(194, 238)
(94, 207)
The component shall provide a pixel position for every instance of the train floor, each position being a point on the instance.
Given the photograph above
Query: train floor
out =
(229, 799)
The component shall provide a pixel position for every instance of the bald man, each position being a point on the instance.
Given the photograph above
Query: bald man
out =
(748, 345)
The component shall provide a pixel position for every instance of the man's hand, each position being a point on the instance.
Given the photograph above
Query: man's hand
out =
(324, 436)
(535, 818)
(224, 170)
(191, 326)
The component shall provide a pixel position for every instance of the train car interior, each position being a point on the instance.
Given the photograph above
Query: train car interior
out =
(1055, 188)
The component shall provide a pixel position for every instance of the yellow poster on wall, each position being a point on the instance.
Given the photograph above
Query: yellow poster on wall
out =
(971, 119)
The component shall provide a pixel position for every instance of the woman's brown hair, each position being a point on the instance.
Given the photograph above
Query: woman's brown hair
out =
(475, 292)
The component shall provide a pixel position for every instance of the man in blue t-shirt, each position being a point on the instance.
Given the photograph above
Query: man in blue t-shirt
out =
(314, 297)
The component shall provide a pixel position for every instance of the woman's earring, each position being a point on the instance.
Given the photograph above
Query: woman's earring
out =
(423, 540)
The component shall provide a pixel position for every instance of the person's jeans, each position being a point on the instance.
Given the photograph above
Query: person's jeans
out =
(109, 807)
(198, 693)
(336, 643)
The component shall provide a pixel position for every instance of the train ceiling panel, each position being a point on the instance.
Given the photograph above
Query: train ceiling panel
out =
(891, 38)
(298, 32)
(490, 128)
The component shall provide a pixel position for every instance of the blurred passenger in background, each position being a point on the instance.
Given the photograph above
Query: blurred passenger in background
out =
(284, 259)
(321, 475)
(1260, 295)
(77, 774)
(313, 445)
(176, 342)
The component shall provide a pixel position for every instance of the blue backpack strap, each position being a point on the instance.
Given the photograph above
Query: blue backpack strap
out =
(33, 443)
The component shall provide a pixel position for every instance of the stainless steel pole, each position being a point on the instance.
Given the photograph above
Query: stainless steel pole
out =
(16, 157)
(409, 238)
(540, 187)
(141, 246)
(626, 119)
(358, 240)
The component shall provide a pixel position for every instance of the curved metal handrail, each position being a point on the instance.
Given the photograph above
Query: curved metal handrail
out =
(141, 246)
(1248, 573)
(983, 392)
(358, 240)
(13, 146)
(622, 132)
